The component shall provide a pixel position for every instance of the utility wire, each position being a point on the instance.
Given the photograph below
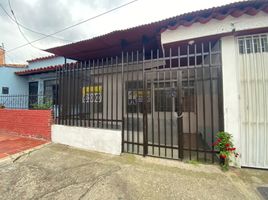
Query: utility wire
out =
(26, 28)
(74, 25)
(29, 42)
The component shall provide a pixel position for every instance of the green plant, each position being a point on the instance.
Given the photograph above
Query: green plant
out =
(224, 144)
(44, 106)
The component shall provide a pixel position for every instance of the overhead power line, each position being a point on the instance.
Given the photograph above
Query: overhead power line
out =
(29, 42)
(28, 29)
(74, 25)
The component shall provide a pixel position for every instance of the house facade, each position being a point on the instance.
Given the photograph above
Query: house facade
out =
(165, 89)
(28, 85)
(243, 36)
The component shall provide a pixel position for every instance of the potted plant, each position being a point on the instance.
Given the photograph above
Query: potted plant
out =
(225, 146)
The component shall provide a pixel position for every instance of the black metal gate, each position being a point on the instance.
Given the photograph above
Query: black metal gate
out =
(168, 103)
(176, 111)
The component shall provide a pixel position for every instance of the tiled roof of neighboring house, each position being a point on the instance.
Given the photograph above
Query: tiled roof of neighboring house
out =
(14, 65)
(42, 58)
(43, 69)
(110, 43)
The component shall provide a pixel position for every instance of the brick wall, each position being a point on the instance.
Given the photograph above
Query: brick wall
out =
(32, 123)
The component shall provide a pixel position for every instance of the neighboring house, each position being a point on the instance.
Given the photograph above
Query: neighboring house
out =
(28, 83)
(10, 83)
(169, 86)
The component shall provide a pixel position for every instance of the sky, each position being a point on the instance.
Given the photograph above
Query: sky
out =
(49, 16)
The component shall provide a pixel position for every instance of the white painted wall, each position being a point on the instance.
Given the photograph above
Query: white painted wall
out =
(214, 27)
(102, 140)
(230, 75)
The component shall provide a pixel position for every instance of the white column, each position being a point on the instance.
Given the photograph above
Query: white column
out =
(231, 89)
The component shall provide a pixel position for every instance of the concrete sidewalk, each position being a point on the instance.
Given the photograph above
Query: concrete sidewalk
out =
(60, 172)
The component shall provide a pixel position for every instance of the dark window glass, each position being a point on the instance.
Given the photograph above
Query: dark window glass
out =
(50, 91)
(5, 90)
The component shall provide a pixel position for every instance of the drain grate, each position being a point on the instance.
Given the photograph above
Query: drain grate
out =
(264, 192)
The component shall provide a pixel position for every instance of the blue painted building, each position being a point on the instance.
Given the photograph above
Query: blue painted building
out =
(37, 79)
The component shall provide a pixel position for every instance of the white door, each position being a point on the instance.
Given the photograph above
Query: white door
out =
(253, 67)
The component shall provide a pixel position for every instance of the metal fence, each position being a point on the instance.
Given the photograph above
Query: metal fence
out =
(27, 101)
(168, 103)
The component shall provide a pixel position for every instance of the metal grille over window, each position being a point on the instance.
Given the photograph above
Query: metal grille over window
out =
(253, 44)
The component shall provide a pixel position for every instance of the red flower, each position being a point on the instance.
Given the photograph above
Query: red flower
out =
(227, 145)
(217, 142)
(223, 156)
(231, 149)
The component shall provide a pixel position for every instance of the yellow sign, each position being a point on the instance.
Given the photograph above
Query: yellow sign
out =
(91, 89)
(92, 94)
(135, 97)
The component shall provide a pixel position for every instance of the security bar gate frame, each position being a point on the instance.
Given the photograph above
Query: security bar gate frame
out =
(167, 104)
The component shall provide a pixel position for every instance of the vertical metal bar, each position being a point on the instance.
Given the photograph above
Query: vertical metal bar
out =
(112, 94)
(98, 91)
(152, 103)
(211, 102)
(80, 82)
(73, 94)
(85, 94)
(127, 64)
(196, 102)
(116, 104)
(179, 112)
(89, 91)
(102, 93)
(83, 84)
(57, 96)
(179, 116)
(69, 95)
(122, 90)
(145, 140)
(76, 93)
(165, 113)
(158, 106)
(83, 88)
(145, 129)
(204, 100)
(171, 96)
(63, 92)
(137, 105)
(107, 93)
(132, 111)
(220, 96)
(93, 93)
(189, 103)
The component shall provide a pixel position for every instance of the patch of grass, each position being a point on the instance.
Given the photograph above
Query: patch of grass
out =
(126, 159)
(193, 162)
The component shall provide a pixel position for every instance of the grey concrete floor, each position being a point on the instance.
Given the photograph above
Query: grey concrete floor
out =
(61, 172)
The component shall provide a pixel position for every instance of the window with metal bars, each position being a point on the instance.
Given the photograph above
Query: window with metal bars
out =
(253, 44)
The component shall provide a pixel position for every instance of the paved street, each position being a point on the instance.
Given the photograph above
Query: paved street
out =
(60, 172)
